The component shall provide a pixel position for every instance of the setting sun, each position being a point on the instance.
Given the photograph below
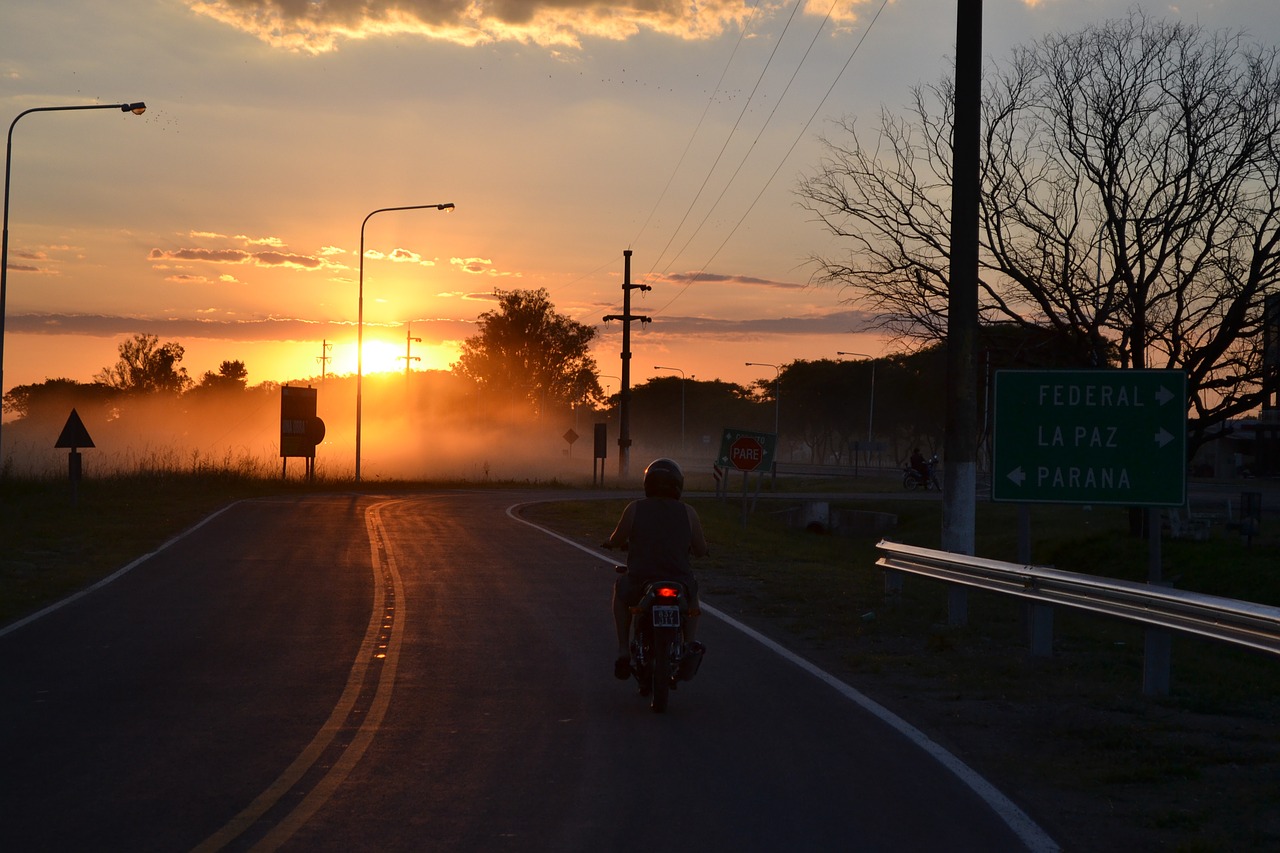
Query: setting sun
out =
(382, 356)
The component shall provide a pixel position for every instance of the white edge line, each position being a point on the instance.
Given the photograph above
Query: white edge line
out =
(1036, 839)
(76, 596)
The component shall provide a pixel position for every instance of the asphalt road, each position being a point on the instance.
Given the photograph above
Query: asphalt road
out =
(427, 672)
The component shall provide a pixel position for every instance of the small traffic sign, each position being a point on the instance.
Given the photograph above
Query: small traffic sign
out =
(74, 435)
(1090, 436)
(746, 451)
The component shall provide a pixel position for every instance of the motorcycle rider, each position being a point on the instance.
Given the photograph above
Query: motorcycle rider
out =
(660, 532)
(919, 465)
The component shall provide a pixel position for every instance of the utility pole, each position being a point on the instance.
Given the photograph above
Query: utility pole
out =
(324, 358)
(624, 395)
(409, 341)
(959, 497)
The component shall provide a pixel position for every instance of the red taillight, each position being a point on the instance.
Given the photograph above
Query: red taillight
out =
(668, 592)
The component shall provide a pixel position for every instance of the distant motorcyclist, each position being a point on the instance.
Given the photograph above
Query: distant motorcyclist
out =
(660, 532)
(919, 465)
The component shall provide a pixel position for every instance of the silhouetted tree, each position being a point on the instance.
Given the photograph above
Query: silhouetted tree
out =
(526, 351)
(54, 398)
(147, 367)
(231, 376)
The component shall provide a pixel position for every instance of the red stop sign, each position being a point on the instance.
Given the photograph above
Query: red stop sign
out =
(746, 453)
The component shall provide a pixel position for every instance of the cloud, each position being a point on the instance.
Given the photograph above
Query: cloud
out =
(239, 256)
(719, 278)
(322, 27)
(404, 256)
(840, 322)
(261, 241)
(480, 266)
(275, 329)
(30, 268)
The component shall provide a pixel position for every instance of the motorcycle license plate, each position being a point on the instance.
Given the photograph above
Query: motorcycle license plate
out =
(666, 617)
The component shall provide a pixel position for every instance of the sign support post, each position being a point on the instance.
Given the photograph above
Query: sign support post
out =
(1095, 437)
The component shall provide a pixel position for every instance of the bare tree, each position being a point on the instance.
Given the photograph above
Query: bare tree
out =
(1130, 204)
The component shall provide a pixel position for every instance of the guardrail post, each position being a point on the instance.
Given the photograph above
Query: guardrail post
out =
(1156, 659)
(1039, 616)
(957, 606)
(892, 585)
(1040, 629)
(1157, 646)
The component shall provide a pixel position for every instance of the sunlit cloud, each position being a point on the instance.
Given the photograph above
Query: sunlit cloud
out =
(260, 241)
(322, 27)
(480, 266)
(404, 256)
(239, 256)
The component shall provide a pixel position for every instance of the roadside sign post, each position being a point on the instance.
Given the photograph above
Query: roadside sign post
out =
(73, 437)
(747, 451)
(1094, 437)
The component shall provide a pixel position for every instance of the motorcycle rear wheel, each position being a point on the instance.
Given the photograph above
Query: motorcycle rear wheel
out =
(910, 481)
(660, 671)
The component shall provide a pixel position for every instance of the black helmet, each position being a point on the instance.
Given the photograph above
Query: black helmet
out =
(663, 479)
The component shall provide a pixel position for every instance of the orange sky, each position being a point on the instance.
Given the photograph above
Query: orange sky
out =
(227, 217)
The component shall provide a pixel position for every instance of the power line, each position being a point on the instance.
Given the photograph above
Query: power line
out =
(784, 158)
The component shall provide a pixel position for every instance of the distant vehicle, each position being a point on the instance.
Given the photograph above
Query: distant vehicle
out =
(913, 479)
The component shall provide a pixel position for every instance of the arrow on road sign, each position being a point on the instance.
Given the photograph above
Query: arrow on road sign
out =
(1018, 476)
(1163, 437)
(1163, 395)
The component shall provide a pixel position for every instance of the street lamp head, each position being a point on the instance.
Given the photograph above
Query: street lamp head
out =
(137, 108)
(446, 206)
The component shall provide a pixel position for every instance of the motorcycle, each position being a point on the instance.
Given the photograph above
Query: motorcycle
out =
(913, 479)
(660, 658)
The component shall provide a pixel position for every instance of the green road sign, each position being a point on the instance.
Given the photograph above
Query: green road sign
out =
(746, 450)
(1090, 436)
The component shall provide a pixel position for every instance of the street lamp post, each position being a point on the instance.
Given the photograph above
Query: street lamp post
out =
(360, 315)
(871, 406)
(682, 383)
(137, 108)
(777, 390)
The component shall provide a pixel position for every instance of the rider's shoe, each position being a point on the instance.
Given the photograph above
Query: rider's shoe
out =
(691, 661)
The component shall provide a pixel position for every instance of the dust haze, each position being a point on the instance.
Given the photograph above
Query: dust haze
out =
(427, 426)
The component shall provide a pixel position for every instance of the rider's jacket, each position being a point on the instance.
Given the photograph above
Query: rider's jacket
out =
(658, 547)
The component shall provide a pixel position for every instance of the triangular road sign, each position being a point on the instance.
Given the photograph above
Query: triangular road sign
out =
(74, 435)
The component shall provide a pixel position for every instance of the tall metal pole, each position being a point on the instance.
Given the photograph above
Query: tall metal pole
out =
(682, 384)
(959, 492)
(871, 404)
(624, 395)
(777, 392)
(360, 316)
(137, 108)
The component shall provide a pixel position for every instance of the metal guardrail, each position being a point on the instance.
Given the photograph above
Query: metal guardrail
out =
(1242, 623)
